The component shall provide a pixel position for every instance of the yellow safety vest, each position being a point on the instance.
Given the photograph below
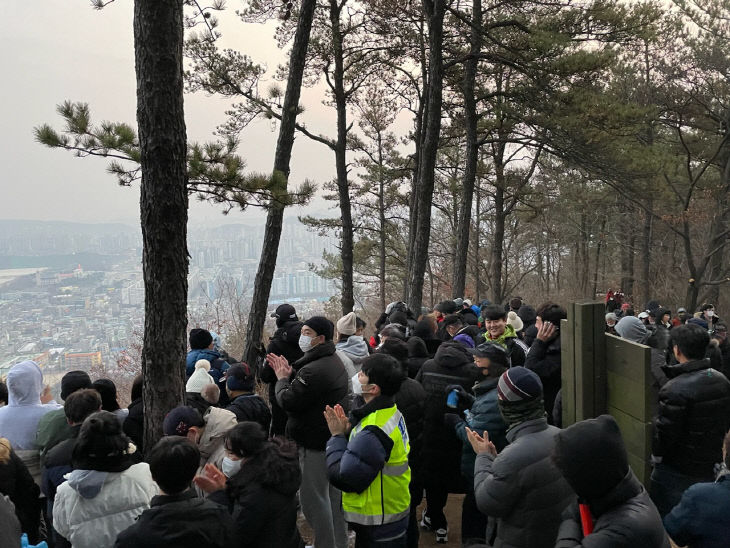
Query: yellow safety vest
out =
(387, 499)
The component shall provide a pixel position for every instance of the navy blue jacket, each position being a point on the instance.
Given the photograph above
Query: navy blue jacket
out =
(485, 415)
(218, 365)
(353, 465)
(702, 517)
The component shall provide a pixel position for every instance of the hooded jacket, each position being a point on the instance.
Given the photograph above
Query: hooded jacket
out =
(211, 444)
(180, 521)
(417, 355)
(19, 419)
(702, 518)
(523, 488)
(320, 380)
(592, 457)
(441, 450)
(93, 507)
(693, 417)
(355, 348)
(262, 500)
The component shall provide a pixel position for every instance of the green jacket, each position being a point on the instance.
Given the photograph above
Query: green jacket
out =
(53, 428)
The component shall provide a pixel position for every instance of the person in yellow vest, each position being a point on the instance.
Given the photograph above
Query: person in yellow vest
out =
(367, 458)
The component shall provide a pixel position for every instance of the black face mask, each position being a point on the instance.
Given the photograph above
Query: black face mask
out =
(515, 413)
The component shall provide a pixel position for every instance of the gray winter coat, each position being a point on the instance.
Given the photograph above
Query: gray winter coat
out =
(522, 488)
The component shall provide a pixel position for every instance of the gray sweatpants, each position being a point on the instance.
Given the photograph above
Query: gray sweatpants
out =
(321, 503)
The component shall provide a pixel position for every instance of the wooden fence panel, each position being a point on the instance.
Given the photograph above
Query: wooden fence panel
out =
(606, 374)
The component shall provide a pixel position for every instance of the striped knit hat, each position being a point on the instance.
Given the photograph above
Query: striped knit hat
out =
(519, 384)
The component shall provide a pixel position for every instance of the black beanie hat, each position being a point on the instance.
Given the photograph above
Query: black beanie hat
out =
(592, 456)
(240, 378)
(73, 381)
(321, 326)
(200, 338)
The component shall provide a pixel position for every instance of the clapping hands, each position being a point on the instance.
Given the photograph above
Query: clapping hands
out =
(280, 365)
(481, 444)
(336, 419)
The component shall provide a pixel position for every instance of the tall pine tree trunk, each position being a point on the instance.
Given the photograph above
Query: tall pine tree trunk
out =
(498, 240)
(382, 222)
(343, 188)
(646, 241)
(435, 11)
(158, 40)
(282, 157)
(472, 151)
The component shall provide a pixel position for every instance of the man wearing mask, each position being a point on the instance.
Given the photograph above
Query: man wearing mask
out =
(707, 313)
(520, 486)
(284, 342)
(320, 380)
(207, 432)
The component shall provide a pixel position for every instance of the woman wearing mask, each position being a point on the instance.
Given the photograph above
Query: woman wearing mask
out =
(260, 492)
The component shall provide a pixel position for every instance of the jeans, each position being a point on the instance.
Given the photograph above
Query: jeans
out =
(321, 502)
(667, 485)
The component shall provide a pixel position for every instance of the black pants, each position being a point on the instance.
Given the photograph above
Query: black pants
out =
(416, 490)
(473, 522)
(437, 493)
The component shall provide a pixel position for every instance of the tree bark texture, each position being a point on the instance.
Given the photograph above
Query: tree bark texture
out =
(472, 151)
(418, 137)
(282, 158)
(158, 41)
(435, 11)
(343, 188)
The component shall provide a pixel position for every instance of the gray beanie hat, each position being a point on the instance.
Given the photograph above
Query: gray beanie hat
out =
(632, 329)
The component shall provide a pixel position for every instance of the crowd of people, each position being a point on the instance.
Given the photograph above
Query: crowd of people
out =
(357, 431)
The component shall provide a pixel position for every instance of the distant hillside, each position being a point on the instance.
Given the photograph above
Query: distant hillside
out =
(23, 228)
(89, 261)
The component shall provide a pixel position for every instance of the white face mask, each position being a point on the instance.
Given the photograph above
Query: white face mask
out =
(230, 467)
(305, 343)
(709, 313)
(356, 386)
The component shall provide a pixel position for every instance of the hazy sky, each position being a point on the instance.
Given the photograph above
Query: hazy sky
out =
(55, 50)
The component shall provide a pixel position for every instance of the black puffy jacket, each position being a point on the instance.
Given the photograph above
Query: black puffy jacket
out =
(251, 407)
(262, 500)
(631, 522)
(18, 485)
(285, 342)
(544, 358)
(320, 380)
(417, 355)
(693, 417)
(592, 458)
(180, 521)
(409, 400)
(441, 448)
(134, 424)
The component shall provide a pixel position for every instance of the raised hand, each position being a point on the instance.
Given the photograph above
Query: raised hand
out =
(546, 332)
(337, 421)
(280, 365)
(481, 444)
(211, 480)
